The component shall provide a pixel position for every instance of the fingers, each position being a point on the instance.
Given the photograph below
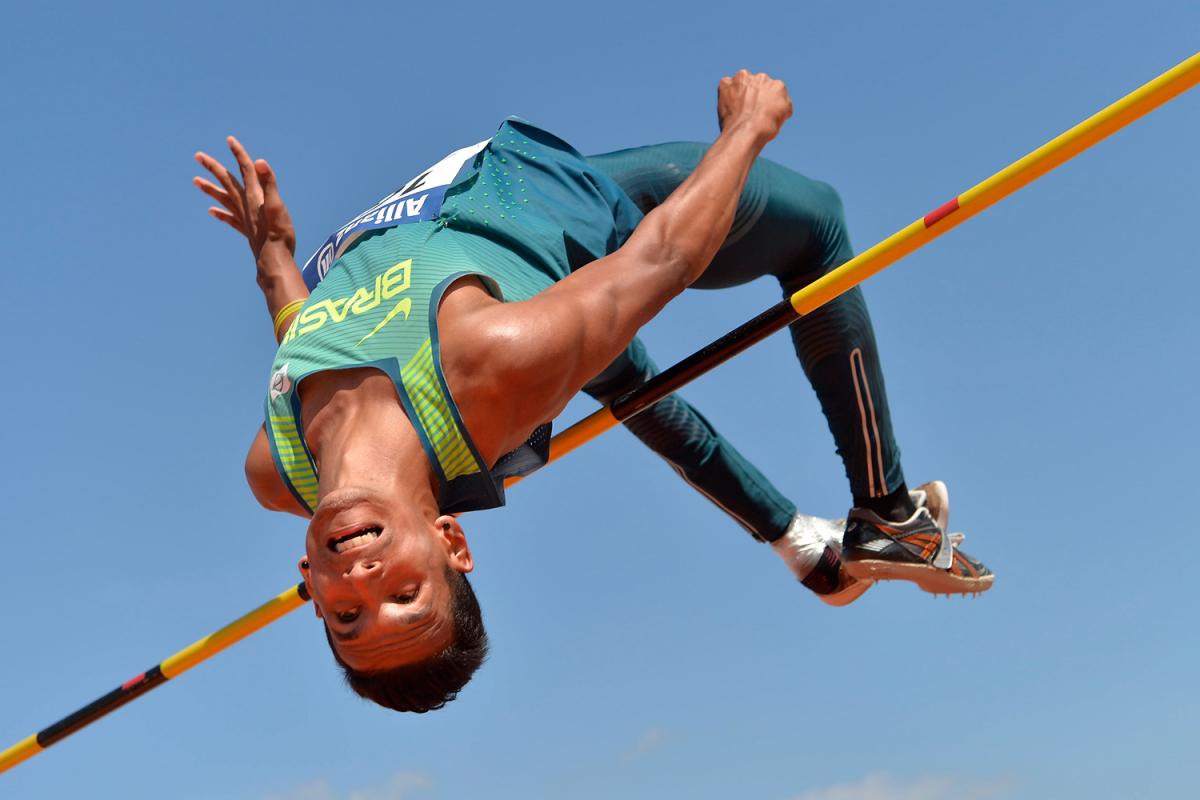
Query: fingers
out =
(233, 189)
(279, 222)
(218, 171)
(744, 80)
(218, 194)
(266, 179)
(753, 96)
(254, 196)
(253, 207)
(273, 208)
(227, 218)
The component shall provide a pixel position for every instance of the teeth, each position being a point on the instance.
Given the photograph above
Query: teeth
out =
(355, 540)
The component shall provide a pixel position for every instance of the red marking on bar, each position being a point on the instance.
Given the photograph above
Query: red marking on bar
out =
(132, 682)
(940, 213)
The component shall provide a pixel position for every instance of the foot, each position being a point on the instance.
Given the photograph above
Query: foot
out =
(916, 549)
(811, 547)
(970, 572)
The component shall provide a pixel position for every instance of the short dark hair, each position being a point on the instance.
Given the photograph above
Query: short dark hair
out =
(430, 684)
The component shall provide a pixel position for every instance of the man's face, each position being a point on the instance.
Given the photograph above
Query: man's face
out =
(377, 575)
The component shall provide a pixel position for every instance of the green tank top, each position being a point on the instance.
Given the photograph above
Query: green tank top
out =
(523, 211)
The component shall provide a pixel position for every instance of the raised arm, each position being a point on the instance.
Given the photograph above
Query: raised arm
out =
(540, 352)
(255, 209)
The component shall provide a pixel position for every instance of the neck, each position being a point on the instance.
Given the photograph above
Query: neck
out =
(360, 437)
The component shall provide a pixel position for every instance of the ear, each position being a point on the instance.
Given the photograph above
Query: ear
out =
(302, 565)
(454, 540)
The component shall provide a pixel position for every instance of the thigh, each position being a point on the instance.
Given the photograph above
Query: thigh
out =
(789, 226)
(786, 224)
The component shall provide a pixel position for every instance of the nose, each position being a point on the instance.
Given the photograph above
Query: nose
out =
(362, 571)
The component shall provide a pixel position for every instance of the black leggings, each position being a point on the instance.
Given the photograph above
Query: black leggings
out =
(790, 227)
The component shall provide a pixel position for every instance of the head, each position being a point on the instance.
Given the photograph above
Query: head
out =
(389, 581)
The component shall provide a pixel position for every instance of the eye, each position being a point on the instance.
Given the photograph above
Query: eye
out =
(347, 616)
(404, 599)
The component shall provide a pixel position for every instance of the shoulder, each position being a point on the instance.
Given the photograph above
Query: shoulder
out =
(268, 488)
(475, 332)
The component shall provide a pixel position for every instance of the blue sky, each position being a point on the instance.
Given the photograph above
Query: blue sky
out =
(1040, 359)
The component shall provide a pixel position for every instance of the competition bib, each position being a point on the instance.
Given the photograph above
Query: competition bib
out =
(420, 199)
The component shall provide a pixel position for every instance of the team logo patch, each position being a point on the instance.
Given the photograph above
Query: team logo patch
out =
(324, 259)
(280, 383)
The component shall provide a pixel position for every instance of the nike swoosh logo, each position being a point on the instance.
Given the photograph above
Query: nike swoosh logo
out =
(404, 306)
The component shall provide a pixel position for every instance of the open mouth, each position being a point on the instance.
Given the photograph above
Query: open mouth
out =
(354, 540)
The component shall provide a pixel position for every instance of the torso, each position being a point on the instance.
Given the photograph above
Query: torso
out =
(524, 211)
(332, 393)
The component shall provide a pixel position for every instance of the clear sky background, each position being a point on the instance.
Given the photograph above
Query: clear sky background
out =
(1040, 359)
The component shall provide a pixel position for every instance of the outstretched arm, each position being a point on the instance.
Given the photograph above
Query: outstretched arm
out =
(255, 209)
(552, 344)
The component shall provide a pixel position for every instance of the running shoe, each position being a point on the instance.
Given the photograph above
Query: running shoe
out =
(811, 547)
(916, 549)
(970, 573)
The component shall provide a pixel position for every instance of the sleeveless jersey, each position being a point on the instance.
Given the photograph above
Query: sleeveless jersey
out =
(519, 211)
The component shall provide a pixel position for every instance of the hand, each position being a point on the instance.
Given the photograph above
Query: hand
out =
(254, 210)
(755, 99)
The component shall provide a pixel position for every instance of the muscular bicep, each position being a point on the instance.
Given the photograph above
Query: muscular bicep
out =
(526, 360)
(264, 480)
(538, 353)
(586, 320)
(522, 362)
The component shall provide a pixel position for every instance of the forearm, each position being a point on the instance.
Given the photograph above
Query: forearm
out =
(281, 283)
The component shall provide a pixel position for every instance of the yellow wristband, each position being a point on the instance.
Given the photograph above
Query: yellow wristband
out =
(286, 312)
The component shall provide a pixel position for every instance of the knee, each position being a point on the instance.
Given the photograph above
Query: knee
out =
(833, 234)
(829, 242)
(828, 200)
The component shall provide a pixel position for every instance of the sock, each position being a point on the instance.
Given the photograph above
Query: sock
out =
(894, 507)
(810, 548)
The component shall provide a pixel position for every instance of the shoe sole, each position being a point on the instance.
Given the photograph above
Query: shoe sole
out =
(929, 578)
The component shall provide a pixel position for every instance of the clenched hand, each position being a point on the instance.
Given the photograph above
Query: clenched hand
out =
(754, 99)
